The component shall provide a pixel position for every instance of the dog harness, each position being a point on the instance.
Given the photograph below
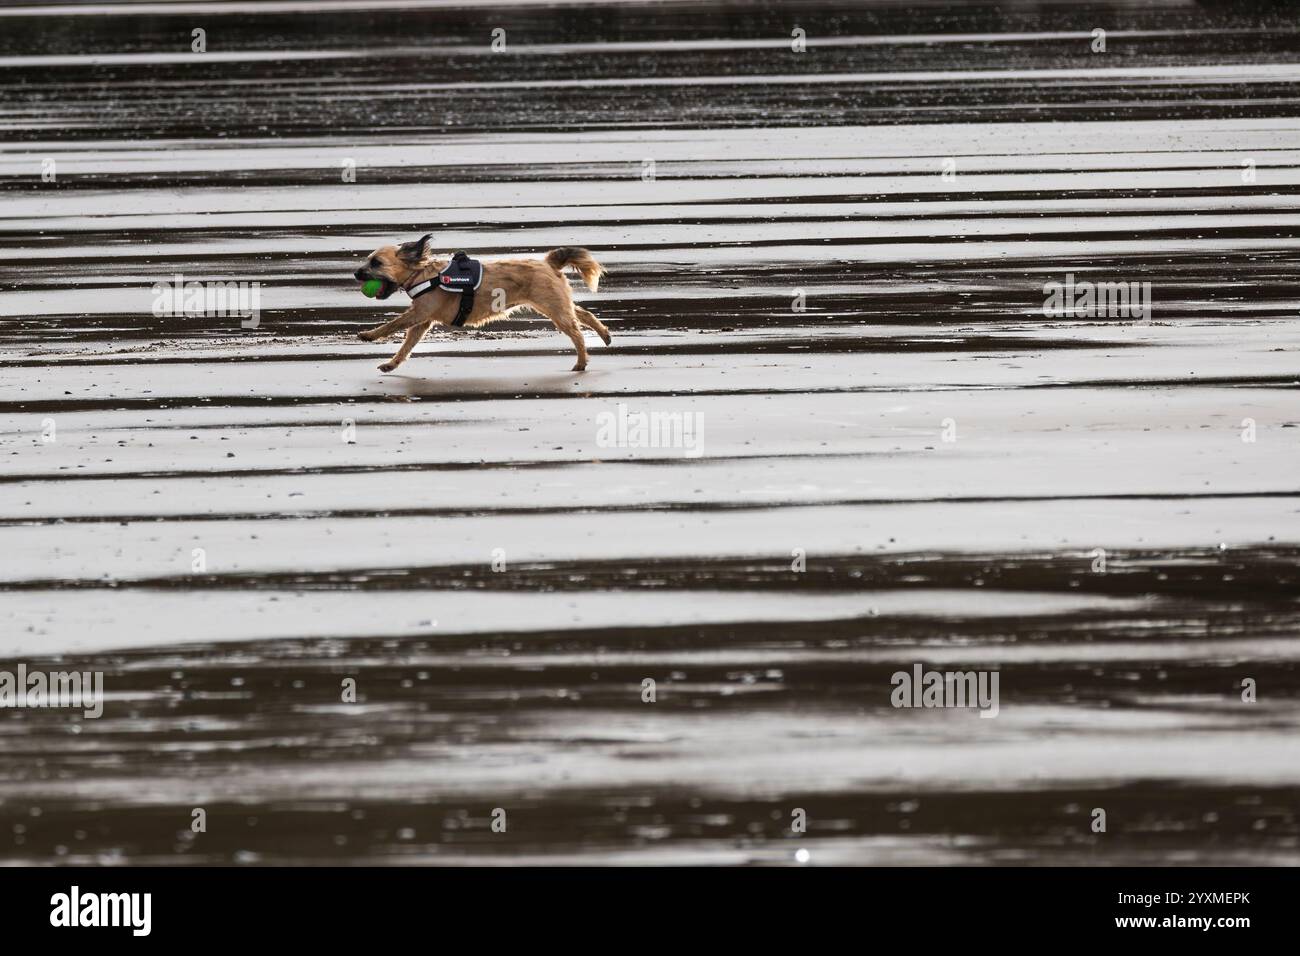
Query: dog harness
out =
(461, 277)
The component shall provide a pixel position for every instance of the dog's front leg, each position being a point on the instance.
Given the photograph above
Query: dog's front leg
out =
(388, 328)
(413, 336)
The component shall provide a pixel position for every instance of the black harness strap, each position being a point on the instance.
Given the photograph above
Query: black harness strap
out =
(461, 277)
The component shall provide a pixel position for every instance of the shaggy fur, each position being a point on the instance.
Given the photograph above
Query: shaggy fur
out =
(507, 286)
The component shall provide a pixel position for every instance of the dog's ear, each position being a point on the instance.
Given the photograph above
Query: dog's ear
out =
(414, 251)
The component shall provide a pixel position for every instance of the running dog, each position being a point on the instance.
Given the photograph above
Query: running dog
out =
(503, 288)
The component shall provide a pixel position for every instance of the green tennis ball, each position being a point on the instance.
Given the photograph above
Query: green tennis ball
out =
(370, 288)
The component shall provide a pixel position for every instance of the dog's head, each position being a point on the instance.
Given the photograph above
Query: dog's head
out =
(394, 266)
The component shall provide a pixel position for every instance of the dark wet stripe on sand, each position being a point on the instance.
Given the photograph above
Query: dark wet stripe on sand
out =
(1267, 577)
(452, 512)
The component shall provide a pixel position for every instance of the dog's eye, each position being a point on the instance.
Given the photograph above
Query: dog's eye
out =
(374, 263)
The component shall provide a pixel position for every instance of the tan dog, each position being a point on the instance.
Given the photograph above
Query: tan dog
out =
(514, 284)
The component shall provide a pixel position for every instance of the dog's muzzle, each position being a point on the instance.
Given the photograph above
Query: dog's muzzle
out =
(388, 288)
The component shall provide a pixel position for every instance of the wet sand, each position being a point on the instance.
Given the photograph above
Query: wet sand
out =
(499, 582)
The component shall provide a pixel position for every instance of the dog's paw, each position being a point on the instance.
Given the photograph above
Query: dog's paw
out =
(387, 367)
(366, 337)
(604, 337)
(580, 367)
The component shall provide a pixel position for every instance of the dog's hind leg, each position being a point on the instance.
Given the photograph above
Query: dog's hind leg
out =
(413, 336)
(591, 322)
(566, 322)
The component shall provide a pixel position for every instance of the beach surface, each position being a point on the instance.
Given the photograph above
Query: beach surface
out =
(827, 277)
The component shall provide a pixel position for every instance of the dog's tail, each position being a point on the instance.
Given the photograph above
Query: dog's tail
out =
(580, 259)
